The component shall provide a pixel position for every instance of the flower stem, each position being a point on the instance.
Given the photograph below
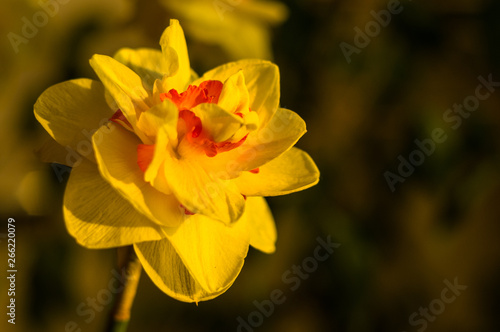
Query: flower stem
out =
(130, 267)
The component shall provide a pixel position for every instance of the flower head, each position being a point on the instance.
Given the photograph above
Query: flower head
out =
(179, 163)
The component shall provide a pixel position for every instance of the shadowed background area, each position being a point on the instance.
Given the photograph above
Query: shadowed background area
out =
(402, 109)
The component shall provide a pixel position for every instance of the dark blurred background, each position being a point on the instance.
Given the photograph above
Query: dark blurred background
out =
(405, 236)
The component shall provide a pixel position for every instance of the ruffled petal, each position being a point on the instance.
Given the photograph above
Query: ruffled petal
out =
(261, 79)
(203, 192)
(153, 174)
(261, 225)
(217, 122)
(98, 217)
(71, 112)
(159, 124)
(167, 271)
(234, 95)
(116, 154)
(293, 171)
(263, 145)
(149, 64)
(173, 39)
(200, 259)
(162, 116)
(124, 85)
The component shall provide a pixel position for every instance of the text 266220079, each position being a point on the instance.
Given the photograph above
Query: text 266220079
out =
(11, 269)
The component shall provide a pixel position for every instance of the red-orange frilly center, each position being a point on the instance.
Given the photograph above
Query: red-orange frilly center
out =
(189, 126)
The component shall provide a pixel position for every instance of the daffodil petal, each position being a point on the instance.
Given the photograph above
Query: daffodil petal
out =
(262, 146)
(203, 192)
(218, 122)
(159, 156)
(162, 116)
(293, 171)
(165, 268)
(261, 225)
(234, 94)
(173, 38)
(160, 124)
(160, 182)
(194, 76)
(234, 98)
(98, 217)
(149, 64)
(211, 252)
(116, 155)
(261, 79)
(124, 85)
(159, 88)
(71, 112)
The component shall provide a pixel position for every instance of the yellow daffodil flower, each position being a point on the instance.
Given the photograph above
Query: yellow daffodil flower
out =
(178, 164)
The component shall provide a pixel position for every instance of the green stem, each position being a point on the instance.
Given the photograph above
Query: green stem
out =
(130, 266)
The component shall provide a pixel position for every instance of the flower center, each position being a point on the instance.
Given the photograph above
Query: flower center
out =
(206, 92)
(190, 126)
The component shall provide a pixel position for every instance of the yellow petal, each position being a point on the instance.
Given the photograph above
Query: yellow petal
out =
(261, 225)
(293, 171)
(152, 173)
(149, 64)
(203, 192)
(167, 271)
(116, 154)
(173, 39)
(234, 95)
(263, 145)
(235, 99)
(200, 259)
(162, 116)
(261, 79)
(98, 217)
(159, 87)
(71, 112)
(219, 123)
(124, 85)
(159, 123)
(160, 181)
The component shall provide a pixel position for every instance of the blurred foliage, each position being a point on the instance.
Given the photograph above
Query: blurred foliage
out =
(396, 248)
